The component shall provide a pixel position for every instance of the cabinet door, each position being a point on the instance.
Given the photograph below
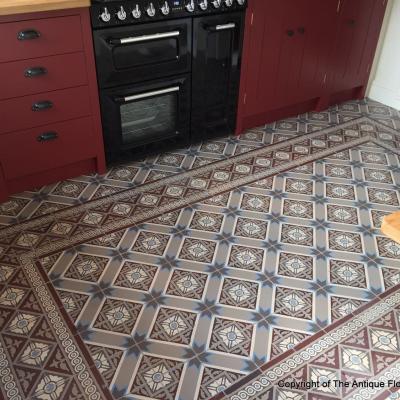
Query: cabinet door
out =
(216, 74)
(357, 35)
(274, 48)
(374, 31)
(288, 52)
(291, 54)
(263, 40)
(320, 26)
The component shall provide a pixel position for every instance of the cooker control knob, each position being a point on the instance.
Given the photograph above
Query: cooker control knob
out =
(217, 3)
(228, 3)
(105, 16)
(136, 13)
(190, 6)
(151, 11)
(203, 5)
(165, 8)
(121, 14)
(241, 2)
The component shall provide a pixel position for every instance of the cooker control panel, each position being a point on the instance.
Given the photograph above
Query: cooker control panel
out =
(114, 12)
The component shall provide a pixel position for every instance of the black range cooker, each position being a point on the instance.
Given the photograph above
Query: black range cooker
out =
(167, 69)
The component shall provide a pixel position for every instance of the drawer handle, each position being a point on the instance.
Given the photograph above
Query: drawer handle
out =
(290, 32)
(47, 136)
(34, 72)
(29, 34)
(42, 105)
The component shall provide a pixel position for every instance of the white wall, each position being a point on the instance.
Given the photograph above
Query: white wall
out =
(385, 84)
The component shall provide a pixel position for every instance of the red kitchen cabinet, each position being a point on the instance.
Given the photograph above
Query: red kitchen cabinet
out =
(289, 54)
(263, 31)
(320, 32)
(301, 55)
(49, 105)
(359, 25)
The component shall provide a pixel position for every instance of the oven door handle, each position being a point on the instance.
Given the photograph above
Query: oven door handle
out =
(223, 27)
(144, 38)
(146, 95)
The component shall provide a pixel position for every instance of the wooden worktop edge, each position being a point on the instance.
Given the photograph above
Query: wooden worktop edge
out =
(391, 226)
(9, 7)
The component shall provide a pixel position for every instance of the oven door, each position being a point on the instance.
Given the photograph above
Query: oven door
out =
(217, 47)
(147, 113)
(138, 53)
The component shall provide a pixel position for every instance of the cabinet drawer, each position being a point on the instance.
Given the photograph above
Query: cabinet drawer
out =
(28, 152)
(61, 105)
(53, 36)
(37, 75)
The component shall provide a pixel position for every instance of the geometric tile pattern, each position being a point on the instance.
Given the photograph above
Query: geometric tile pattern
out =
(215, 381)
(136, 276)
(239, 293)
(233, 337)
(296, 266)
(294, 303)
(117, 316)
(157, 378)
(86, 267)
(173, 326)
(150, 243)
(340, 360)
(187, 284)
(187, 300)
(106, 360)
(283, 340)
(246, 258)
(347, 273)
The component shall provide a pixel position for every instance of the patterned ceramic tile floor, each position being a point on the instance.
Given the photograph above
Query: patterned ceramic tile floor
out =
(79, 190)
(206, 291)
(356, 358)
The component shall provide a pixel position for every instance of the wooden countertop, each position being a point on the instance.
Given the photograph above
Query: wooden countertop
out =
(10, 7)
(391, 226)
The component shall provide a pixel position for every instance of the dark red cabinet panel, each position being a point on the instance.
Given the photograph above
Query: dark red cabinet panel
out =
(62, 137)
(359, 26)
(16, 114)
(320, 33)
(262, 32)
(351, 40)
(68, 142)
(56, 36)
(288, 52)
(54, 76)
(299, 53)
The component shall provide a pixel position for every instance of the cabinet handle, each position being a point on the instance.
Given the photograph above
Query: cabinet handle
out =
(29, 34)
(301, 30)
(47, 136)
(352, 22)
(42, 105)
(34, 72)
(290, 32)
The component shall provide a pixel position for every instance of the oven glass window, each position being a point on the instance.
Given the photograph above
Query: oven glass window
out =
(149, 119)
